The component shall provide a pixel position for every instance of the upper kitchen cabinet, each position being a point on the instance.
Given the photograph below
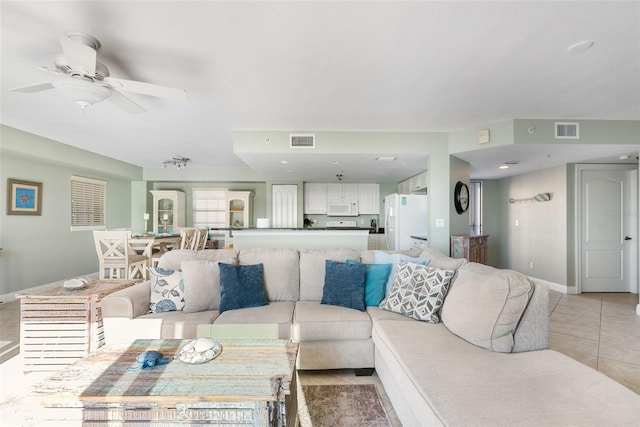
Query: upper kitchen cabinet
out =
(168, 210)
(315, 198)
(415, 184)
(342, 191)
(368, 199)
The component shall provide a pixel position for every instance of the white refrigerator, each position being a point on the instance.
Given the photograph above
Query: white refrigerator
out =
(405, 215)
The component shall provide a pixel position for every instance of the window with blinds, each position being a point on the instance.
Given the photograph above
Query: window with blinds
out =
(209, 207)
(88, 201)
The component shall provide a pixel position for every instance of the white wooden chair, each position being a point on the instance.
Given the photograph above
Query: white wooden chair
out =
(143, 246)
(116, 255)
(189, 238)
(203, 235)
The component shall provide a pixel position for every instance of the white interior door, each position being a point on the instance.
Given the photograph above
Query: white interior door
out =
(605, 233)
(284, 202)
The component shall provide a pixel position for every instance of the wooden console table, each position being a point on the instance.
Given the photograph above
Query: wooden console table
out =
(59, 326)
(472, 247)
(252, 382)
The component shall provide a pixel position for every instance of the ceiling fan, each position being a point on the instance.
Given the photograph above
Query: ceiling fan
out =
(87, 81)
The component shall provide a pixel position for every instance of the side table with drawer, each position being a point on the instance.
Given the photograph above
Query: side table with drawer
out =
(59, 326)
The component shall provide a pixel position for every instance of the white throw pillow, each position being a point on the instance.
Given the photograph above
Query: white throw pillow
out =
(167, 290)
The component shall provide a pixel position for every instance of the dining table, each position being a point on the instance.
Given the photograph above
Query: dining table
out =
(162, 242)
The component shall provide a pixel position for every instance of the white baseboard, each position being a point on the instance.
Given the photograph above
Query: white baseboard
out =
(554, 286)
(12, 295)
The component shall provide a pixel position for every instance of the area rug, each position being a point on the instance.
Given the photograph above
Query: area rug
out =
(355, 405)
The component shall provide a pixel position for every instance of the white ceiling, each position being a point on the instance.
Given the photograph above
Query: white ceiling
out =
(327, 66)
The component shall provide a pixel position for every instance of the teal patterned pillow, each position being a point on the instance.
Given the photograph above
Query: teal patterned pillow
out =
(418, 291)
(167, 290)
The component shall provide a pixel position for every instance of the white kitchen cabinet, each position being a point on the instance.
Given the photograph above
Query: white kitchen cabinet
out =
(315, 198)
(168, 210)
(368, 199)
(342, 191)
(414, 184)
(239, 212)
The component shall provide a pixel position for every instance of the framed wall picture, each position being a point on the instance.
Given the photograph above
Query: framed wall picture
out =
(24, 197)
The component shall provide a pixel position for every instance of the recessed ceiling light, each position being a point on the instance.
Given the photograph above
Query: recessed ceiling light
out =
(624, 157)
(335, 162)
(385, 159)
(284, 162)
(580, 46)
(503, 167)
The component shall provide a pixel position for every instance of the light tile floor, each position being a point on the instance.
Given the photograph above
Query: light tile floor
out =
(600, 330)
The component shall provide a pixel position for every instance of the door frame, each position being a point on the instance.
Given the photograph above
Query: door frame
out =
(634, 288)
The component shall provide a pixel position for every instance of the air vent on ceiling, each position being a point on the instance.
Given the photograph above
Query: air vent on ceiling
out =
(297, 140)
(566, 130)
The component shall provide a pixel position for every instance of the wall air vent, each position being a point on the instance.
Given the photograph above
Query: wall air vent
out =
(299, 140)
(566, 130)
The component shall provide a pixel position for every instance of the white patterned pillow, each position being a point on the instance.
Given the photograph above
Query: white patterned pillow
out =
(167, 290)
(418, 291)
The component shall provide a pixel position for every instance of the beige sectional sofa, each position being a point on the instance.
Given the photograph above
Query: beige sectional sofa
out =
(486, 363)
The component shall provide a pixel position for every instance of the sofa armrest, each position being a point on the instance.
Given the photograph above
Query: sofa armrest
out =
(129, 303)
(533, 330)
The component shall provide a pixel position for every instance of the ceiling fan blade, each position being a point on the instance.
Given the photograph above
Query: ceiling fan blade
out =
(147, 89)
(125, 103)
(33, 88)
(78, 53)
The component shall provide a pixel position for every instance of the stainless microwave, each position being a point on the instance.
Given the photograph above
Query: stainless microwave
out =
(342, 207)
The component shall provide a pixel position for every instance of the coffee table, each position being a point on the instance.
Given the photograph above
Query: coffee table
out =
(252, 382)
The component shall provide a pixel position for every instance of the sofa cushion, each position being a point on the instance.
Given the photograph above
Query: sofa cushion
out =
(172, 260)
(312, 269)
(313, 321)
(369, 256)
(344, 285)
(375, 281)
(278, 312)
(241, 286)
(167, 290)
(201, 284)
(418, 291)
(440, 260)
(170, 325)
(485, 304)
(281, 271)
(393, 259)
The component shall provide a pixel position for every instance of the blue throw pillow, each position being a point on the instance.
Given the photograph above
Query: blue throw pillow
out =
(241, 286)
(393, 259)
(344, 284)
(375, 281)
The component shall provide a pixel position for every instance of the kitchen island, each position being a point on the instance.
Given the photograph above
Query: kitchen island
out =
(304, 238)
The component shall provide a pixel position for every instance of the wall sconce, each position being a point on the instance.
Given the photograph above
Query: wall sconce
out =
(541, 197)
(178, 162)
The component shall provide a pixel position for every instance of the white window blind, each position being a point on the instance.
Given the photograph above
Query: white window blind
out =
(209, 207)
(88, 201)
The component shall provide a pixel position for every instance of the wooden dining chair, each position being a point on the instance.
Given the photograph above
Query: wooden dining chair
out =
(116, 255)
(143, 246)
(189, 238)
(203, 235)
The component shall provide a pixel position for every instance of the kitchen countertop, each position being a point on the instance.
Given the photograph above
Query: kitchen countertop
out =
(371, 231)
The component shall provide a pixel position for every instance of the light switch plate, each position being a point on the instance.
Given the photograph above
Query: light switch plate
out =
(483, 136)
(439, 222)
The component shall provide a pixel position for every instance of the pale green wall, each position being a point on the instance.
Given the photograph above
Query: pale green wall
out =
(42, 249)
(541, 234)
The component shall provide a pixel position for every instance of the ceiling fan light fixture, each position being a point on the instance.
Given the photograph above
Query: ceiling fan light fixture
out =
(82, 92)
(178, 162)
